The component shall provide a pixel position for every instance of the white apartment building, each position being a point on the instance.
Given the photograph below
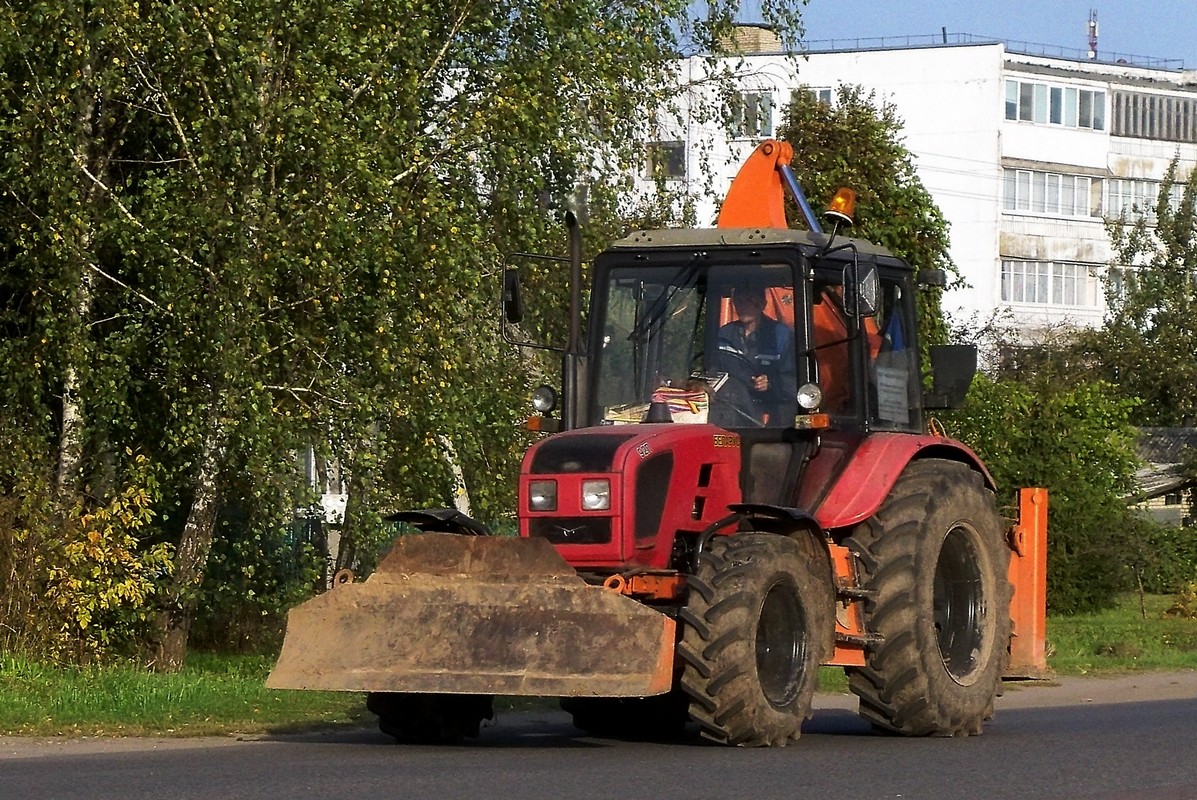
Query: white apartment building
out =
(1026, 154)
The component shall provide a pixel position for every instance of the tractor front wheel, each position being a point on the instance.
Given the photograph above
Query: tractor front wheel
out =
(430, 718)
(654, 718)
(756, 628)
(935, 560)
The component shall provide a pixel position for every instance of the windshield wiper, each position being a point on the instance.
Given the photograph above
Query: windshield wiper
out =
(682, 279)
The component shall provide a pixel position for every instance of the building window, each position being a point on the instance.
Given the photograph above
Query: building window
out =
(752, 115)
(1046, 104)
(1049, 283)
(819, 95)
(666, 160)
(1132, 199)
(1051, 193)
(1116, 282)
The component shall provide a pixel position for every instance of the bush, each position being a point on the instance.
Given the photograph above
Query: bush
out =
(1167, 558)
(257, 570)
(78, 582)
(1075, 439)
(1185, 606)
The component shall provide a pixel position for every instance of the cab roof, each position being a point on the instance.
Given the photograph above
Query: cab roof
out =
(741, 237)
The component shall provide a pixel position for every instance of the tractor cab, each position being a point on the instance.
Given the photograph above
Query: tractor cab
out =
(753, 329)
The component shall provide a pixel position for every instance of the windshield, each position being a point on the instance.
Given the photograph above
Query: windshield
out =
(712, 343)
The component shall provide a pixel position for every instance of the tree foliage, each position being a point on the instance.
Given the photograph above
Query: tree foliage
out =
(856, 142)
(1152, 307)
(234, 230)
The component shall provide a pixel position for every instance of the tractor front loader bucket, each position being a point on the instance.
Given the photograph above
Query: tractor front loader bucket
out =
(456, 614)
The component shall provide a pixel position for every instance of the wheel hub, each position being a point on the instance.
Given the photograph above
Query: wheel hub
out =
(780, 646)
(959, 604)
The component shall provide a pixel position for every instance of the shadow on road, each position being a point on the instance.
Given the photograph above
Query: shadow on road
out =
(553, 729)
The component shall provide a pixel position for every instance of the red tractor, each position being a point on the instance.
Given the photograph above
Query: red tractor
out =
(742, 486)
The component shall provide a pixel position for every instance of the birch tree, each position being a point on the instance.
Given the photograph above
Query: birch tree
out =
(240, 228)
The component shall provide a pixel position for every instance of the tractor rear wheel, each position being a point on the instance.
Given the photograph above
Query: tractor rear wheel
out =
(430, 718)
(756, 628)
(935, 559)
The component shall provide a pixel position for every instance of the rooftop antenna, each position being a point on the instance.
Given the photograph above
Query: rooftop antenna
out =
(1092, 27)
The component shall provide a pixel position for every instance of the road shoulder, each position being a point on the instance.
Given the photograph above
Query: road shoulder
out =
(1075, 690)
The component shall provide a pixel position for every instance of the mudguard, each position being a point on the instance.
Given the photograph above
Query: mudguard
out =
(875, 467)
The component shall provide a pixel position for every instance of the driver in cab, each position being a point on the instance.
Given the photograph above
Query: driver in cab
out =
(757, 352)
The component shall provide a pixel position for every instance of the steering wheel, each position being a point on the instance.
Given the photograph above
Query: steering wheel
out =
(731, 404)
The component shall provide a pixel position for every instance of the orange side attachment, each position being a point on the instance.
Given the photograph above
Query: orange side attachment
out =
(756, 198)
(851, 638)
(1028, 574)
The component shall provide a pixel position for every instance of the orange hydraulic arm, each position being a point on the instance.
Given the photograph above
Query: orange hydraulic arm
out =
(756, 198)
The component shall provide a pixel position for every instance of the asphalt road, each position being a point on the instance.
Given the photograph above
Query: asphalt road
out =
(1121, 739)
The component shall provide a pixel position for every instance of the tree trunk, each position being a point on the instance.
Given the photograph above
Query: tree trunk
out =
(358, 476)
(69, 471)
(173, 622)
(457, 486)
(68, 474)
(346, 554)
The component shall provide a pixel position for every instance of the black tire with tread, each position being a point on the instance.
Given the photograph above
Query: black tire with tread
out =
(430, 718)
(725, 647)
(929, 598)
(633, 718)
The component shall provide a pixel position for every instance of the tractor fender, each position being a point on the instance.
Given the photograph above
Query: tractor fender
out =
(775, 519)
(441, 520)
(793, 523)
(875, 467)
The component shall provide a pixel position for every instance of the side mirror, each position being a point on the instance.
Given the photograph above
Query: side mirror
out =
(952, 369)
(862, 290)
(513, 299)
(935, 278)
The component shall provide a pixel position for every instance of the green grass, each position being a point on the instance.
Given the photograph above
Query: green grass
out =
(225, 694)
(1122, 639)
(210, 695)
(833, 680)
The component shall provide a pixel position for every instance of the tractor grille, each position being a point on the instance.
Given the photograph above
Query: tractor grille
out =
(652, 486)
(571, 530)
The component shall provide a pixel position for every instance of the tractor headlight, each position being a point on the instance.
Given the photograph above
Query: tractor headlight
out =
(542, 496)
(544, 399)
(809, 396)
(596, 495)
